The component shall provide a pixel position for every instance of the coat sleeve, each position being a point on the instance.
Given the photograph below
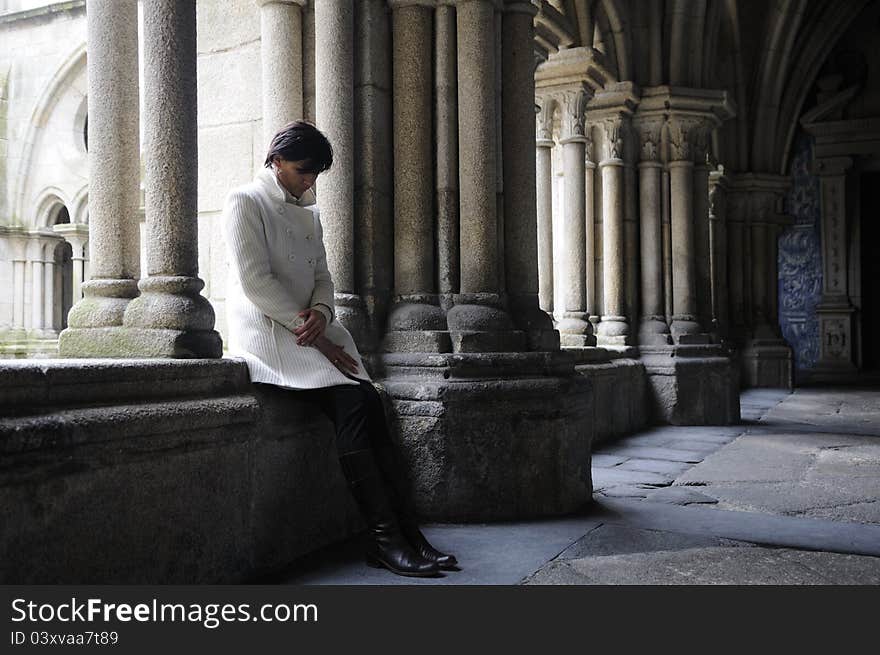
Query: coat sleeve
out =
(246, 238)
(323, 292)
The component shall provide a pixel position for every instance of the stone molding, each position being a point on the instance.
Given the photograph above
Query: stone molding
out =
(301, 3)
(400, 4)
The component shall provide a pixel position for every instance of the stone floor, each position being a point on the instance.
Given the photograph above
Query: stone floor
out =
(790, 496)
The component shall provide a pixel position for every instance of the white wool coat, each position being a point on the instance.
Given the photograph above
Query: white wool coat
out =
(277, 268)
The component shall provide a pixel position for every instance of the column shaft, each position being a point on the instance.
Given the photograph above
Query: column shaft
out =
(281, 49)
(592, 199)
(519, 162)
(170, 318)
(575, 225)
(446, 121)
(37, 300)
(476, 146)
(684, 292)
(543, 173)
(413, 165)
(49, 288)
(114, 181)
(653, 329)
(701, 243)
(614, 328)
(334, 87)
(416, 309)
(759, 278)
(18, 291)
(334, 107)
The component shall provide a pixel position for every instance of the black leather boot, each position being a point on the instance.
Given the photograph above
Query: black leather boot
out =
(388, 546)
(391, 469)
(423, 547)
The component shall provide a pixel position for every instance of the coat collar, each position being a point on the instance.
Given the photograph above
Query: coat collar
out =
(267, 180)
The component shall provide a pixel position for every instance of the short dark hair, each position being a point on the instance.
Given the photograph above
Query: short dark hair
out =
(301, 140)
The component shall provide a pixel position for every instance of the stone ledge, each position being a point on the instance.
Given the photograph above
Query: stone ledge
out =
(29, 384)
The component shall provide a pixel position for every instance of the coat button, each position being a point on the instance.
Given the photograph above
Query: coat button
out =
(312, 262)
(289, 231)
(280, 209)
(309, 237)
(291, 257)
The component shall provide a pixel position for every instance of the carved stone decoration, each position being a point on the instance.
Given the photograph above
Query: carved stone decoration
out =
(544, 119)
(681, 138)
(700, 140)
(612, 144)
(589, 156)
(649, 138)
(573, 103)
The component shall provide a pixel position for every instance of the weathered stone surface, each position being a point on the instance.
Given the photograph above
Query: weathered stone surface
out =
(490, 449)
(715, 565)
(206, 478)
(680, 496)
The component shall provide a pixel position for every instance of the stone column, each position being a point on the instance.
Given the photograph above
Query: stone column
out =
(35, 256)
(701, 225)
(114, 181)
(835, 309)
(544, 190)
(478, 321)
(519, 164)
(334, 107)
(613, 328)
(78, 235)
(653, 329)
(719, 253)
(685, 326)
(632, 265)
(446, 122)
(592, 201)
(49, 246)
(281, 48)
(170, 318)
(758, 264)
(373, 163)
(575, 328)
(736, 210)
(416, 320)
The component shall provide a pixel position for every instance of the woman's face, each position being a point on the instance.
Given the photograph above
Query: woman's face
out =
(295, 176)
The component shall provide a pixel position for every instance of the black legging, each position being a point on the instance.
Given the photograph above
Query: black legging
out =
(358, 417)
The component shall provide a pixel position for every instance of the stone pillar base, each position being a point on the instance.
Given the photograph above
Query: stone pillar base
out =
(613, 331)
(492, 436)
(534, 322)
(351, 311)
(686, 330)
(122, 342)
(653, 331)
(767, 363)
(576, 330)
(567, 340)
(479, 323)
(416, 323)
(692, 385)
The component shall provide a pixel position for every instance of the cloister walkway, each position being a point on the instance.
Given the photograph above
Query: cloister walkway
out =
(789, 496)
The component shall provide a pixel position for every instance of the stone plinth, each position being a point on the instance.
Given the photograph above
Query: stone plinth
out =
(767, 364)
(692, 385)
(489, 436)
(134, 472)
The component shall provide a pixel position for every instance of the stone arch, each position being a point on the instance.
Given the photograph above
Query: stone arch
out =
(80, 206)
(59, 114)
(50, 203)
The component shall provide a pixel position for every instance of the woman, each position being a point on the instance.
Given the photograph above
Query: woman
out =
(281, 321)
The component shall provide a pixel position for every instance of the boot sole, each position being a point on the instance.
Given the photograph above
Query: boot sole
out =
(379, 564)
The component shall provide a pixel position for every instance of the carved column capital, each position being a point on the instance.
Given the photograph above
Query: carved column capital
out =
(649, 132)
(573, 103)
(544, 120)
(613, 131)
(688, 138)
